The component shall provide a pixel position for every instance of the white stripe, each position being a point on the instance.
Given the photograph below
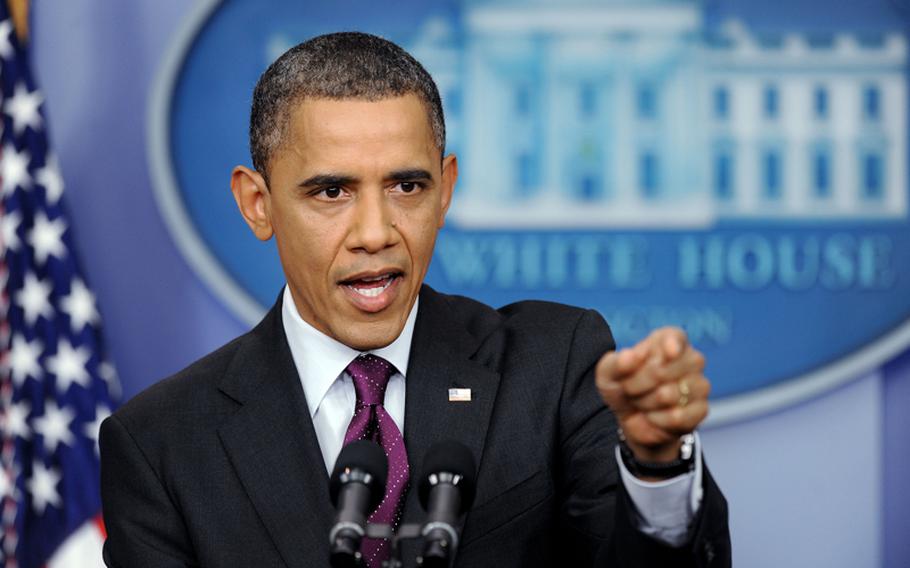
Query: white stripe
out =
(81, 550)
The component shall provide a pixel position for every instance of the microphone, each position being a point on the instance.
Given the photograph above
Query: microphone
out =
(446, 492)
(356, 488)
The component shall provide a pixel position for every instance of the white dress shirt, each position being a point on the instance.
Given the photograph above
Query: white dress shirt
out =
(321, 362)
(663, 507)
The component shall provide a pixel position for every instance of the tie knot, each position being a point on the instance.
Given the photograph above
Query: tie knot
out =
(371, 376)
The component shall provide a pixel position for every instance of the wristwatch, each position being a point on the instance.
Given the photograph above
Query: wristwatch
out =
(662, 470)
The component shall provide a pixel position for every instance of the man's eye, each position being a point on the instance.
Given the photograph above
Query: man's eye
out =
(332, 192)
(409, 186)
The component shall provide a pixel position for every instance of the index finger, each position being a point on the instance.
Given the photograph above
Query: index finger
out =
(669, 342)
(617, 364)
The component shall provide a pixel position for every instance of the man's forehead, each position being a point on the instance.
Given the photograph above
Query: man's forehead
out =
(342, 130)
(386, 111)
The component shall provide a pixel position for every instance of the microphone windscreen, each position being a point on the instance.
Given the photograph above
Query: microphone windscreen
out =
(449, 457)
(366, 456)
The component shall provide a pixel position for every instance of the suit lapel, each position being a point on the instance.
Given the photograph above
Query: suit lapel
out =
(273, 447)
(441, 359)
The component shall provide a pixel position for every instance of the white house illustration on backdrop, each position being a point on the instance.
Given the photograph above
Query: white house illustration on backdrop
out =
(612, 113)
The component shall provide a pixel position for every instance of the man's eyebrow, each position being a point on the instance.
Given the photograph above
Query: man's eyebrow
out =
(415, 174)
(324, 180)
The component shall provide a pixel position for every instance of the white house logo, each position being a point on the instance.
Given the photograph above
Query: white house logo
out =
(657, 161)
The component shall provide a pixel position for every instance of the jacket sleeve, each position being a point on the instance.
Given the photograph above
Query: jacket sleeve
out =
(598, 520)
(144, 527)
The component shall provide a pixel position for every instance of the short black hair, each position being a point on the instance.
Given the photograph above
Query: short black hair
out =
(343, 65)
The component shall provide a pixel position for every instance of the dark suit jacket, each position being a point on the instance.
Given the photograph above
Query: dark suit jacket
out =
(219, 465)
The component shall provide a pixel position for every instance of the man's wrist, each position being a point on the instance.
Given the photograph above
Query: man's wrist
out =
(676, 460)
(664, 453)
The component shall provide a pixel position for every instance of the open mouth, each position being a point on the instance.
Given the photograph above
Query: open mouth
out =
(371, 286)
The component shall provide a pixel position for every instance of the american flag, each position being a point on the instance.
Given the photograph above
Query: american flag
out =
(55, 383)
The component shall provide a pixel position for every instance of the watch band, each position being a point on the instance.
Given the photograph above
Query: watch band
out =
(662, 470)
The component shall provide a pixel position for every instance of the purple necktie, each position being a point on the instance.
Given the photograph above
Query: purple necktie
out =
(371, 422)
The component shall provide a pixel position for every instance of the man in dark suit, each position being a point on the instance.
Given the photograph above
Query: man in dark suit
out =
(225, 464)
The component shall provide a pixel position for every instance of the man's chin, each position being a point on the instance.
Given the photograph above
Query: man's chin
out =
(367, 337)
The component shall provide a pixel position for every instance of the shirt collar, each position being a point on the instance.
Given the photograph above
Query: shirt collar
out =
(320, 359)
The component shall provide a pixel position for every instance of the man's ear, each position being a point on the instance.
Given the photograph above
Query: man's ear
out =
(449, 177)
(253, 199)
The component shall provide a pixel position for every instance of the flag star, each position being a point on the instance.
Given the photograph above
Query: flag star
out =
(14, 169)
(68, 364)
(54, 426)
(80, 306)
(23, 359)
(22, 107)
(107, 371)
(93, 429)
(109, 375)
(9, 226)
(46, 237)
(6, 46)
(43, 487)
(49, 177)
(34, 298)
(15, 420)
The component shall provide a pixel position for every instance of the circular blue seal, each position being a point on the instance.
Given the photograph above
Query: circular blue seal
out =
(731, 173)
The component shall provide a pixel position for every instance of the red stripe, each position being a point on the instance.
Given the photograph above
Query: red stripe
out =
(99, 522)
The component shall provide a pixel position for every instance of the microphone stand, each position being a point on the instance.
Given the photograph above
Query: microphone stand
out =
(409, 531)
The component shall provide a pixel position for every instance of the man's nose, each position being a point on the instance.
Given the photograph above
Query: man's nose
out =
(373, 228)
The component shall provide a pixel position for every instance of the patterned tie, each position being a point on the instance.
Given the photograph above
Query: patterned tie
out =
(371, 422)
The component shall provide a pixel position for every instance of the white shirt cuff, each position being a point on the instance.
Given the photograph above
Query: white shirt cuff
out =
(666, 508)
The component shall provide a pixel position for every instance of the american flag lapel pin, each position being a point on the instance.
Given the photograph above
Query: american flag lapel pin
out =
(459, 395)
